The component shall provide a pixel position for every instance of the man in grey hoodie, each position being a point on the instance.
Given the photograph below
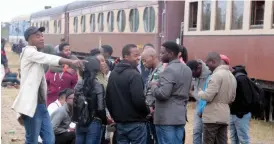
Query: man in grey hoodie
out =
(200, 73)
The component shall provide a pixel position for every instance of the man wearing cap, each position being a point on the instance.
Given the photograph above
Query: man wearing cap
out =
(30, 102)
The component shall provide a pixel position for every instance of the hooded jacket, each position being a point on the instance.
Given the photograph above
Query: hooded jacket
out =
(241, 105)
(125, 94)
(58, 80)
(201, 83)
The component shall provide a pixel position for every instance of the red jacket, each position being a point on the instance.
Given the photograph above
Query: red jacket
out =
(57, 81)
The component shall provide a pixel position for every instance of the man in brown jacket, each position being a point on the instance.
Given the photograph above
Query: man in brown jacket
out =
(221, 91)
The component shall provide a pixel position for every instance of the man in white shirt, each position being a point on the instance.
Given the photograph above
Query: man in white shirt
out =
(30, 102)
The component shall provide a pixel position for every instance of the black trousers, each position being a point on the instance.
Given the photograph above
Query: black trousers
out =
(65, 138)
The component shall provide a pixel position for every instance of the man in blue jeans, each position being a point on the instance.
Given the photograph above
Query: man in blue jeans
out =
(30, 102)
(125, 99)
(171, 94)
(200, 73)
(240, 109)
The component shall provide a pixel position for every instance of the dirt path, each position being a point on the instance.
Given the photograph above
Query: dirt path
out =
(11, 131)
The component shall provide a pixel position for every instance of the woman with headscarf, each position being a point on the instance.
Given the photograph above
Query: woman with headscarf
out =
(94, 84)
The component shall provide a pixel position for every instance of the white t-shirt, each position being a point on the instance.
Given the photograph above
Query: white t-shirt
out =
(54, 106)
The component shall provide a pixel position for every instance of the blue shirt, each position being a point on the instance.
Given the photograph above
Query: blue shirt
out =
(202, 103)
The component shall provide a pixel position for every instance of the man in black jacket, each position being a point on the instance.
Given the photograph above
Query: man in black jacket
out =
(240, 109)
(125, 98)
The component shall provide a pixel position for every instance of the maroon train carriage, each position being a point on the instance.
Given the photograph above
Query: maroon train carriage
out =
(242, 30)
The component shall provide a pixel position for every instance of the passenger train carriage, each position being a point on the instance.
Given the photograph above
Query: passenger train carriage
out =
(17, 27)
(242, 30)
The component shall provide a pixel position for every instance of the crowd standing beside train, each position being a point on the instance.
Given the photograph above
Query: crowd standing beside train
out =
(141, 98)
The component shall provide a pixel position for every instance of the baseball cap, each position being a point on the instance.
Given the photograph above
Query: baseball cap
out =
(225, 58)
(32, 30)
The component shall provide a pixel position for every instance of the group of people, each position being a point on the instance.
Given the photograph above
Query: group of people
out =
(141, 97)
(8, 78)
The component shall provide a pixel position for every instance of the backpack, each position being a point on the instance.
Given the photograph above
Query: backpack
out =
(257, 102)
(80, 112)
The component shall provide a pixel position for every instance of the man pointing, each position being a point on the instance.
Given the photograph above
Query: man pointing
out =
(31, 99)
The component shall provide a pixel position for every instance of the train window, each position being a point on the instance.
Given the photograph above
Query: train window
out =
(193, 11)
(206, 14)
(44, 24)
(121, 20)
(220, 15)
(101, 22)
(36, 24)
(47, 27)
(110, 20)
(59, 26)
(92, 22)
(149, 19)
(237, 14)
(257, 14)
(41, 24)
(55, 26)
(134, 20)
(83, 23)
(75, 24)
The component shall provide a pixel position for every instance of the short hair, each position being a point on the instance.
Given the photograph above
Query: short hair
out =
(95, 52)
(62, 93)
(69, 92)
(62, 39)
(148, 44)
(214, 56)
(62, 45)
(193, 64)
(107, 48)
(171, 46)
(126, 49)
(150, 52)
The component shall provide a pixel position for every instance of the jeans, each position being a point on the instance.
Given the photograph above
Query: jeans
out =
(39, 124)
(239, 129)
(90, 134)
(170, 134)
(198, 129)
(131, 133)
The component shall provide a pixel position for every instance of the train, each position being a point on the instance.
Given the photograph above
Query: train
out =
(242, 30)
(17, 26)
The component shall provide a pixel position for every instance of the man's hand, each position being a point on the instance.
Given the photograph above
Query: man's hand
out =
(153, 83)
(151, 110)
(71, 129)
(79, 63)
